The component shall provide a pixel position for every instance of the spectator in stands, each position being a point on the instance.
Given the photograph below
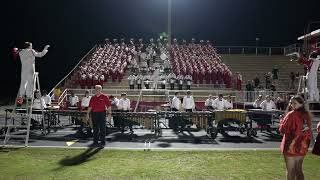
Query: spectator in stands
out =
(98, 105)
(272, 88)
(131, 79)
(275, 72)
(38, 102)
(249, 89)
(239, 81)
(296, 128)
(268, 104)
(188, 79)
(147, 81)
(292, 77)
(176, 103)
(221, 104)
(256, 81)
(85, 100)
(172, 78)
(46, 98)
(57, 93)
(139, 81)
(258, 102)
(268, 80)
(188, 102)
(163, 81)
(209, 102)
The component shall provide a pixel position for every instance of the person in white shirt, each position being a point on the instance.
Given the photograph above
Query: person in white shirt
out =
(188, 79)
(27, 57)
(257, 102)
(131, 80)
(38, 102)
(46, 98)
(73, 100)
(124, 103)
(188, 102)
(268, 104)
(85, 101)
(176, 103)
(209, 102)
(221, 104)
(124, 106)
(114, 102)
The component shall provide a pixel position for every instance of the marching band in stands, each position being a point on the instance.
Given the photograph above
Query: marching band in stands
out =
(188, 64)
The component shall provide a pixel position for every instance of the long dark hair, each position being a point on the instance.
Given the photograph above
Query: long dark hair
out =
(304, 109)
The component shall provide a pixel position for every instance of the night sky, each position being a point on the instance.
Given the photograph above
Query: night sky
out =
(72, 27)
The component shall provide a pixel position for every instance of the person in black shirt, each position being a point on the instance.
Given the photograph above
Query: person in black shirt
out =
(256, 81)
(249, 89)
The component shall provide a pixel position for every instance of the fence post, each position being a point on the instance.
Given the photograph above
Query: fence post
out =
(256, 51)
(229, 51)
(284, 51)
(269, 51)
(242, 50)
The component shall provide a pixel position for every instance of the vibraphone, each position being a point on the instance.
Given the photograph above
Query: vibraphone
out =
(226, 119)
(265, 119)
(202, 119)
(147, 120)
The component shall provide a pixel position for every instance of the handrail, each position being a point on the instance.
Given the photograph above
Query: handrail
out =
(248, 46)
(72, 69)
(137, 104)
(62, 96)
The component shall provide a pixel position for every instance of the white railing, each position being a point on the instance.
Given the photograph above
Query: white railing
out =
(66, 76)
(239, 96)
(62, 97)
(137, 104)
(292, 48)
(249, 50)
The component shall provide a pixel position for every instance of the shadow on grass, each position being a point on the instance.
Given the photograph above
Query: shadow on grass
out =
(9, 149)
(78, 159)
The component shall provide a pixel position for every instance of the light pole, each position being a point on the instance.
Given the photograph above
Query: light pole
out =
(169, 22)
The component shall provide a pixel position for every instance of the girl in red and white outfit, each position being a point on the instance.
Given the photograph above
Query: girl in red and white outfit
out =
(296, 130)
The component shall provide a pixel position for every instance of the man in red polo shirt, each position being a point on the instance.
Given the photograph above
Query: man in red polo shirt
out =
(98, 105)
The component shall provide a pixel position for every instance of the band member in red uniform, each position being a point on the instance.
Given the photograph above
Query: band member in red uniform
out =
(214, 75)
(297, 131)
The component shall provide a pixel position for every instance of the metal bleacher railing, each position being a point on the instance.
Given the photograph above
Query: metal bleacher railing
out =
(238, 96)
(70, 73)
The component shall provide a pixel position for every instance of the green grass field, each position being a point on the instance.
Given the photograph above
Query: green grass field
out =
(48, 163)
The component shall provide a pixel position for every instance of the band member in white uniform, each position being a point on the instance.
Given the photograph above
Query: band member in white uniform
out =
(221, 104)
(209, 102)
(268, 104)
(312, 66)
(27, 57)
(188, 102)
